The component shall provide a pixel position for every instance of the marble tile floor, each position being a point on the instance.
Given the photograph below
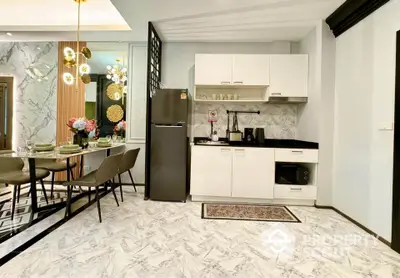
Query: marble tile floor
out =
(159, 239)
(29, 229)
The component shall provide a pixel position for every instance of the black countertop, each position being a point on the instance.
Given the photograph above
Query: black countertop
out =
(269, 143)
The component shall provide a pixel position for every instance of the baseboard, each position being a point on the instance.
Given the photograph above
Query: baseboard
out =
(124, 184)
(200, 198)
(357, 224)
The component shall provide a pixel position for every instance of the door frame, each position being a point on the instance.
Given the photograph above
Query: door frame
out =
(395, 244)
(10, 99)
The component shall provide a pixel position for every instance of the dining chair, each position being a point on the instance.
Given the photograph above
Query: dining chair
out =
(127, 163)
(11, 173)
(102, 176)
(54, 166)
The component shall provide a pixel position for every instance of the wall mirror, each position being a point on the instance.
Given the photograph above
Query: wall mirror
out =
(106, 94)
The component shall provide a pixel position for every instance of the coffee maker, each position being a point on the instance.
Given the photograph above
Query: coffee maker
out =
(249, 135)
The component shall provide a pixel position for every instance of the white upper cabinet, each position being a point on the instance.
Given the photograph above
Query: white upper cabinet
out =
(253, 173)
(251, 70)
(288, 76)
(213, 69)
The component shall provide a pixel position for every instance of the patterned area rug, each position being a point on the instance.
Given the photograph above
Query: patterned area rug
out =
(249, 212)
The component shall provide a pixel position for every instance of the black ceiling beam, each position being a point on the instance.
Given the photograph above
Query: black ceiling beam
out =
(350, 13)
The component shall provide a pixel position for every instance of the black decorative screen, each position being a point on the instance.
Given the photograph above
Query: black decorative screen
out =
(154, 50)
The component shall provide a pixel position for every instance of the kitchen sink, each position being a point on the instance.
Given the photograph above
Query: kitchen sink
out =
(207, 142)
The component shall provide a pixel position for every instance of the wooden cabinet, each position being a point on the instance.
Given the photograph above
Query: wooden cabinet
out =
(288, 76)
(250, 70)
(211, 171)
(253, 174)
(213, 69)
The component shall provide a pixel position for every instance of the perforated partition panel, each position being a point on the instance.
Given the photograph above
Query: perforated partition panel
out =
(154, 51)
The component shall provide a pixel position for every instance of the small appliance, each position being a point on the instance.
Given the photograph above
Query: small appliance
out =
(289, 173)
(260, 136)
(249, 135)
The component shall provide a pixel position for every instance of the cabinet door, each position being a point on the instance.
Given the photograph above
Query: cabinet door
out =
(251, 70)
(289, 75)
(211, 171)
(253, 173)
(213, 69)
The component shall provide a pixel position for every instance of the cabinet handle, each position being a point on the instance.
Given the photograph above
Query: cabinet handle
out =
(238, 82)
(225, 150)
(225, 82)
(276, 94)
(299, 152)
(296, 189)
(240, 150)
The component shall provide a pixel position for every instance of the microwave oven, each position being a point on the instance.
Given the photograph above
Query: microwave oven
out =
(289, 173)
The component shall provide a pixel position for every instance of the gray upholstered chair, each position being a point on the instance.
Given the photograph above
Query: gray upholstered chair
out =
(54, 166)
(127, 163)
(102, 176)
(11, 173)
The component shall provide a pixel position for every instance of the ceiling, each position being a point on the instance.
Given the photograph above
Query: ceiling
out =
(175, 20)
(59, 15)
(226, 20)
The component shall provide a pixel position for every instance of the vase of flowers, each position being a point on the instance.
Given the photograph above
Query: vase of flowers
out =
(83, 130)
(120, 128)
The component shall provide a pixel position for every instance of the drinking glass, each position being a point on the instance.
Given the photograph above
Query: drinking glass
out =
(108, 138)
(70, 140)
(29, 145)
(114, 138)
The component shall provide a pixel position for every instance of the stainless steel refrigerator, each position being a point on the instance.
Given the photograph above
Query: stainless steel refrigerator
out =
(169, 145)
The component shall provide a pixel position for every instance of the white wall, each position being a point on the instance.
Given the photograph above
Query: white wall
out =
(136, 108)
(326, 115)
(316, 117)
(365, 86)
(307, 127)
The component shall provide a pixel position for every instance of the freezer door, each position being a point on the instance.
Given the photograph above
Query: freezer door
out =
(169, 106)
(168, 163)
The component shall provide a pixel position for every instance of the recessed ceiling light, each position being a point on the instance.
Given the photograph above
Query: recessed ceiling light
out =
(9, 34)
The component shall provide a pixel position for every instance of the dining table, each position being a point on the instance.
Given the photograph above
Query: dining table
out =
(55, 154)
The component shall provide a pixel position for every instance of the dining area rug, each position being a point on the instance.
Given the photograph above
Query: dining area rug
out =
(248, 212)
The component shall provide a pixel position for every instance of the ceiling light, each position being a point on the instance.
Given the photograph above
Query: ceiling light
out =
(72, 58)
(84, 69)
(9, 34)
(68, 78)
(117, 73)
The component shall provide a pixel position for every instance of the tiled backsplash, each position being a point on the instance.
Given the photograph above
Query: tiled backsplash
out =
(278, 120)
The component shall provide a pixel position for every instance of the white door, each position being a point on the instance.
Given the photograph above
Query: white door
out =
(251, 70)
(253, 173)
(288, 75)
(211, 171)
(213, 69)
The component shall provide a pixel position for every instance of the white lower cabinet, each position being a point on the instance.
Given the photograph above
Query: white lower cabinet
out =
(253, 173)
(211, 173)
(298, 192)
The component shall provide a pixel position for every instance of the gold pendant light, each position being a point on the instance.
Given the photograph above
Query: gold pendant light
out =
(71, 58)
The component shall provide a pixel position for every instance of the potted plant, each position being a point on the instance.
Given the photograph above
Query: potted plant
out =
(120, 128)
(83, 129)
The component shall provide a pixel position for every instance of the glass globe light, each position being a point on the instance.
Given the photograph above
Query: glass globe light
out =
(69, 52)
(108, 76)
(68, 78)
(84, 69)
(109, 67)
